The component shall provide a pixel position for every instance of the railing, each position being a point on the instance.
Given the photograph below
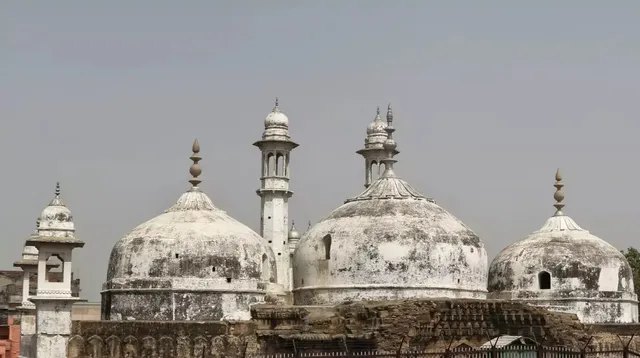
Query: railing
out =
(506, 352)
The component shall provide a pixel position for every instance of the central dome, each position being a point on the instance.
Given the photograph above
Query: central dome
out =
(193, 262)
(389, 242)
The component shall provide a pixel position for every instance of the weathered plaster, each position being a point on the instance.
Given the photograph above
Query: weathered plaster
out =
(192, 261)
(276, 146)
(389, 243)
(28, 341)
(588, 276)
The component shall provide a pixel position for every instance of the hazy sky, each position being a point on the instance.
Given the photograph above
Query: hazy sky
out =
(107, 97)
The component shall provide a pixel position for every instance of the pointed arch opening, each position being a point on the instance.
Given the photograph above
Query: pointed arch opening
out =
(327, 246)
(544, 280)
(271, 164)
(280, 164)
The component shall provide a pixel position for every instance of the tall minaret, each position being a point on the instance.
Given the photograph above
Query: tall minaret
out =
(276, 146)
(373, 151)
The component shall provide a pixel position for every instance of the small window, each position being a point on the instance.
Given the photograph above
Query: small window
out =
(279, 253)
(213, 269)
(327, 247)
(544, 280)
(302, 282)
(177, 256)
(228, 279)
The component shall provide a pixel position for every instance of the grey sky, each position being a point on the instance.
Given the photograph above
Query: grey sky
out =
(107, 97)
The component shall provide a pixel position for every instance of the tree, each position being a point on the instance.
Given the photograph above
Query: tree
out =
(633, 256)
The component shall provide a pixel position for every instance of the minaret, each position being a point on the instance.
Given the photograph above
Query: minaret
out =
(276, 147)
(373, 151)
(294, 238)
(53, 300)
(29, 265)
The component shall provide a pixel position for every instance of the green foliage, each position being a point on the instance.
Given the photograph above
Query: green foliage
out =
(633, 256)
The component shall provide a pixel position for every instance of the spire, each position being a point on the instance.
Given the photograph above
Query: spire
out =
(56, 199)
(378, 112)
(558, 195)
(309, 226)
(195, 169)
(293, 225)
(389, 146)
(276, 108)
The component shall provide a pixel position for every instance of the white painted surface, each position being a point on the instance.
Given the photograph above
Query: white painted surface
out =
(389, 248)
(589, 277)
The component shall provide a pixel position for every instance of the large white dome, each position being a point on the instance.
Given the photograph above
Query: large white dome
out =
(193, 262)
(390, 242)
(566, 268)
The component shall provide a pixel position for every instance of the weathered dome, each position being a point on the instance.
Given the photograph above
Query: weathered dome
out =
(276, 118)
(192, 240)
(56, 219)
(29, 253)
(566, 268)
(194, 261)
(376, 132)
(390, 242)
(293, 232)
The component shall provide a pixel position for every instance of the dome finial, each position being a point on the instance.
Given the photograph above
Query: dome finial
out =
(276, 108)
(56, 201)
(293, 225)
(378, 111)
(389, 113)
(195, 169)
(558, 195)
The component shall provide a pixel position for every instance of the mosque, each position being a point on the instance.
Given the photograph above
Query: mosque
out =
(390, 242)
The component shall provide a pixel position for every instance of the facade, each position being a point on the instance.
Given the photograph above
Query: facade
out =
(565, 268)
(389, 243)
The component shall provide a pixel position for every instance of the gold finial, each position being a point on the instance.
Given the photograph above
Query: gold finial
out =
(558, 195)
(195, 169)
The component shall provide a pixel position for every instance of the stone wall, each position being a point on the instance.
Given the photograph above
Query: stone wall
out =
(131, 339)
(432, 324)
(386, 325)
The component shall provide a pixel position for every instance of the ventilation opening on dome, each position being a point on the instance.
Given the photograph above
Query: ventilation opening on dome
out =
(228, 279)
(265, 268)
(327, 247)
(213, 269)
(177, 256)
(544, 280)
